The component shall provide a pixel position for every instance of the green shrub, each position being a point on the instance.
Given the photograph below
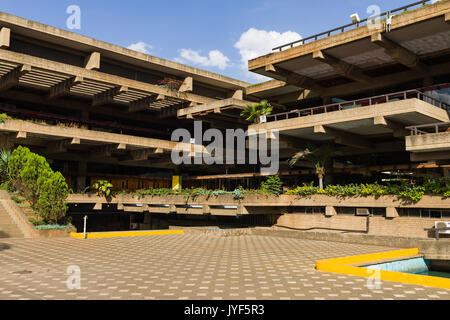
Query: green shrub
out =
(45, 190)
(4, 117)
(53, 227)
(52, 190)
(16, 200)
(238, 193)
(272, 186)
(36, 222)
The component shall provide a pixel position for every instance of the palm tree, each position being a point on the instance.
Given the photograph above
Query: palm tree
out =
(255, 111)
(318, 155)
(5, 156)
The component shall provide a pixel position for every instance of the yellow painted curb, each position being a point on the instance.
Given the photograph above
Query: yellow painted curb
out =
(343, 266)
(98, 235)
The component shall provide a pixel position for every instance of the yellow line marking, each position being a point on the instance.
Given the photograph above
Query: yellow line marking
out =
(342, 265)
(98, 235)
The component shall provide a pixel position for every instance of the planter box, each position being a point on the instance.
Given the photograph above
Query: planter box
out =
(256, 200)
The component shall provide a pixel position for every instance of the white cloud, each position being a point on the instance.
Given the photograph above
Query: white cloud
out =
(255, 43)
(141, 47)
(215, 58)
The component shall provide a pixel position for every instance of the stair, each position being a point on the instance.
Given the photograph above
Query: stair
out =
(8, 227)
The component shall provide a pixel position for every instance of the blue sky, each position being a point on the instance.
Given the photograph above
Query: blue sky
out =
(214, 35)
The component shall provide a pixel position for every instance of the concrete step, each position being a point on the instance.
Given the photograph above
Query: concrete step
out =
(8, 227)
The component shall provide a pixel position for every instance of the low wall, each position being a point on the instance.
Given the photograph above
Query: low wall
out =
(431, 248)
(26, 226)
(400, 226)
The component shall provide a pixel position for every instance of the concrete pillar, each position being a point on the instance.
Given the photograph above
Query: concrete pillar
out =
(81, 178)
(330, 211)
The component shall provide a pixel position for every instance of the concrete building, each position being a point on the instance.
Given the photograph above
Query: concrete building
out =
(377, 90)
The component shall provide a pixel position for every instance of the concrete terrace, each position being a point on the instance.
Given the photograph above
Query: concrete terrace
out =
(194, 267)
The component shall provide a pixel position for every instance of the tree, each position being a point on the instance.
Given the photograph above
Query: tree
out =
(255, 111)
(318, 155)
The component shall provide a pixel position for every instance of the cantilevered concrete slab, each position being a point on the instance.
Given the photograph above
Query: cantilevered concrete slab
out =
(351, 127)
(76, 136)
(345, 62)
(429, 142)
(45, 74)
(70, 40)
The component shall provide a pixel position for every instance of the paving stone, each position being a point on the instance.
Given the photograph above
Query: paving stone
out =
(189, 267)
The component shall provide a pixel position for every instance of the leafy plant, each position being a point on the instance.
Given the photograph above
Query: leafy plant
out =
(4, 117)
(36, 222)
(238, 193)
(5, 157)
(318, 155)
(255, 111)
(16, 200)
(102, 188)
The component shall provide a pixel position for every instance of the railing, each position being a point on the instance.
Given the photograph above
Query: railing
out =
(429, 128)
(403, 95)
(348, 26)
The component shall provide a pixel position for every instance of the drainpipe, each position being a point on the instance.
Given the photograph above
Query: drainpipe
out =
(84, 229)
(368, 224)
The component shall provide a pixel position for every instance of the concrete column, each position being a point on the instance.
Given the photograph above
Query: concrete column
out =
(81, 178)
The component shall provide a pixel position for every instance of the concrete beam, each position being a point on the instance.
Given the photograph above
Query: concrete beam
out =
(330, 211)
(341, 67)
(430, 156)
(187, 86)
(63, 88)
(214, 106)
(59, 67)
(399, 53)
(5, 37)
(238, 94)
(21, 135)
(144, 103)
(397, 128)
(11, 79)
(293, 78)
(92, 62)
(107, 96)
(344, 138)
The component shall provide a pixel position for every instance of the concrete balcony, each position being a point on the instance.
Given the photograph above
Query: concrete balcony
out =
(429, 142)
(355, 125)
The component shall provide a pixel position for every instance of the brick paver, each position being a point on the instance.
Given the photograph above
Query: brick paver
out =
(188, 267)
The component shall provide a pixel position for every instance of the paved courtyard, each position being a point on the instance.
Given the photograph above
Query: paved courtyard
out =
(188, 267)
